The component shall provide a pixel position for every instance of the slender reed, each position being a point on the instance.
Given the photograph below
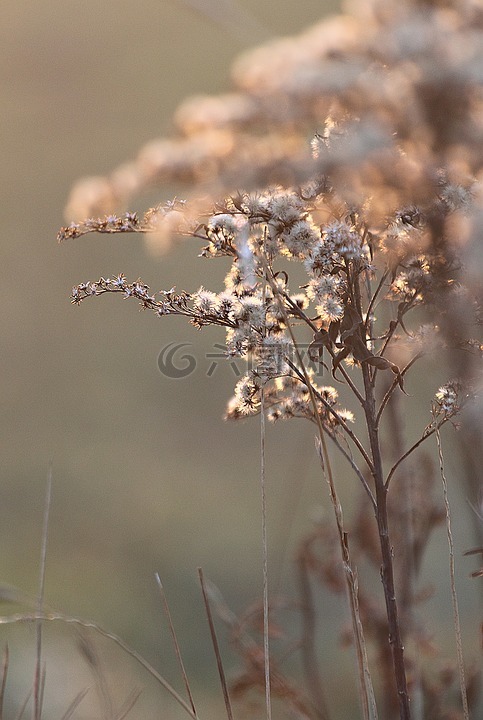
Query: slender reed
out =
(38, 682)
(454, 597)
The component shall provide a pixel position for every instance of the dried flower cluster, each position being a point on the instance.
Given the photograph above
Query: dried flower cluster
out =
(351, 269)
(358, 145)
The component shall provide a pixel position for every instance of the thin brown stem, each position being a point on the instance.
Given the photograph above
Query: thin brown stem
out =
(387, 565)
(266, 640)
(354, 467)
(387, 568)
(413, 447)
(366, 691)
(263, 493)
(175, 642)
(38, 692)
(395, 324)
(306, 380)
(75, 704)
(128, 704)
(214, 640)
(454, 597)
(348, 379)
(395, 383)
(374, 298)
(23, 706)
(300, 313)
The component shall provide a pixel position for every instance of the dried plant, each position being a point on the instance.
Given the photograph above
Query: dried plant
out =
(357, 234)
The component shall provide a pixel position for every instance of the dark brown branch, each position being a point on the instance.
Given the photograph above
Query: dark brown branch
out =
(387, 566)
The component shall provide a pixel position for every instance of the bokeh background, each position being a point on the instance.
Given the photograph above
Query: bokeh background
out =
(146, 475)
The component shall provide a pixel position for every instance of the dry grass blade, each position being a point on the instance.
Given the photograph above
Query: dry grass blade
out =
(175, 642)
(475, 551)
(23, 707)
(79, 622)
(216, 648)
(230, 16)
(128, 704)
(366, 689)
(38, 683)
(91, 656)
(454, 598)
(75, 704)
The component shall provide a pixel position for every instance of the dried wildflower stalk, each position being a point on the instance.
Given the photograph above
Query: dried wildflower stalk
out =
(380, 214)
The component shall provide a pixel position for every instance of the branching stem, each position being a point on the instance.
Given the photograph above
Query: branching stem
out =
(387, 569)
(387, 565)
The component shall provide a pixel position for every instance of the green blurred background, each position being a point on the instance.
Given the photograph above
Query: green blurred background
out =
(146, 475)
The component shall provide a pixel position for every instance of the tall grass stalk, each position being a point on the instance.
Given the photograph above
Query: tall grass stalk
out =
(454, 596)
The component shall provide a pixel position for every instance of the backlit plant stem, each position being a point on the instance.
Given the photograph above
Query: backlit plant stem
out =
(381, 490)
(387, 569)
